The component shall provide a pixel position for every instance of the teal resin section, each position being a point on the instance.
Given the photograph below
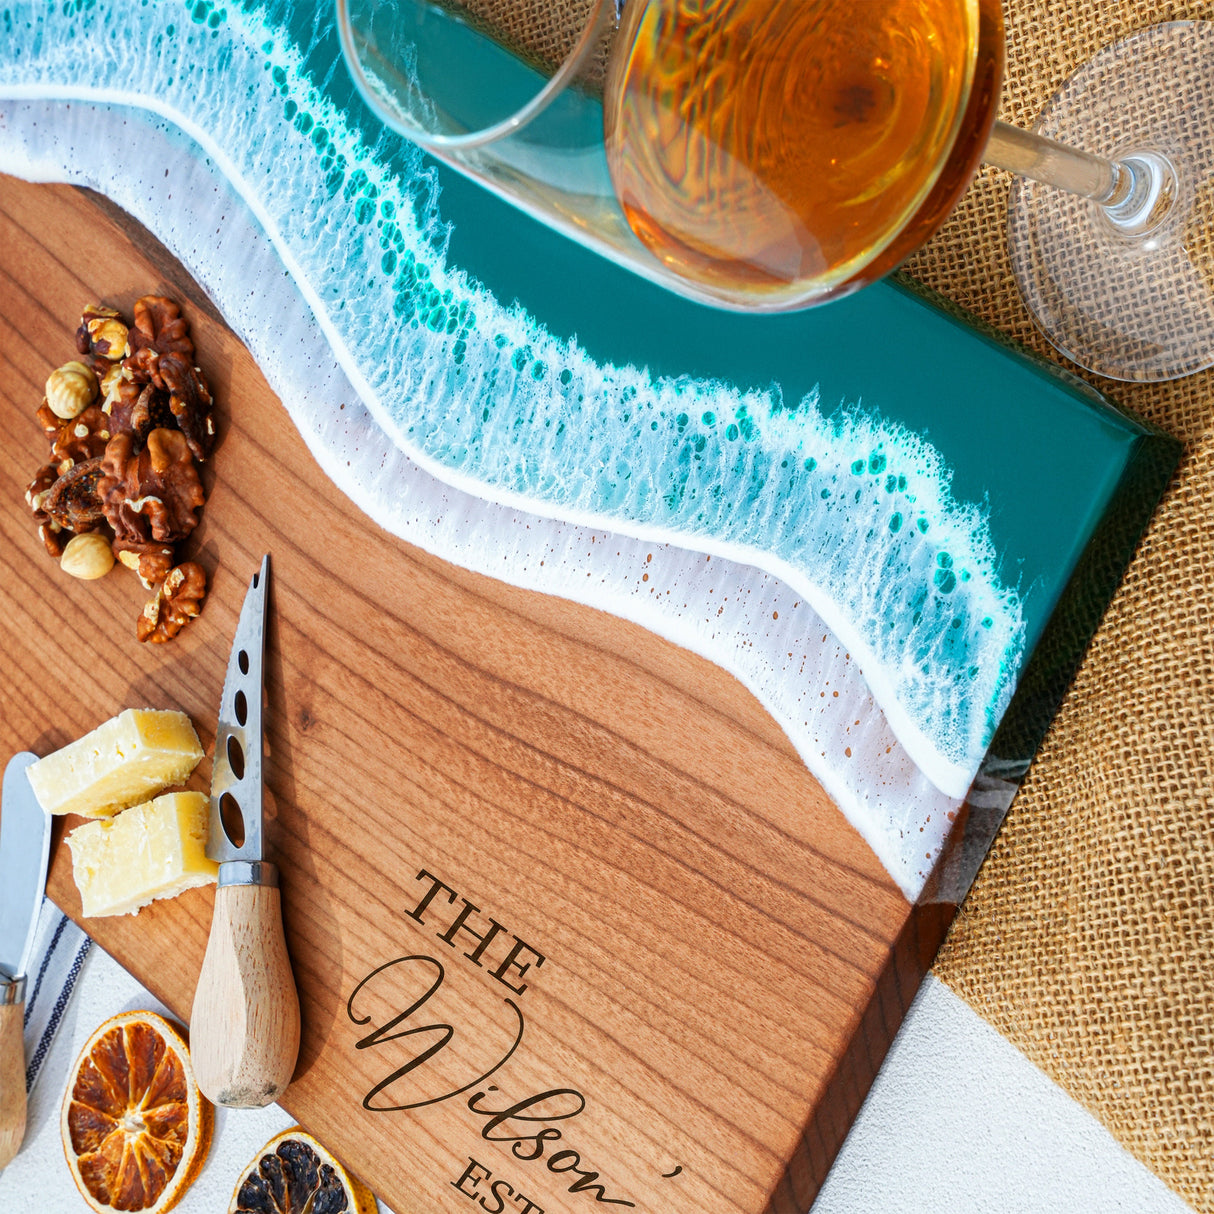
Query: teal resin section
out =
(869, 453)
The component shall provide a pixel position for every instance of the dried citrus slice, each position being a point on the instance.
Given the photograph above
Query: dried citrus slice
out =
(135, 1127)
(294, 1174)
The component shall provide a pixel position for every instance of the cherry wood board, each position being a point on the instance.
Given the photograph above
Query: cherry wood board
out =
(724, 961)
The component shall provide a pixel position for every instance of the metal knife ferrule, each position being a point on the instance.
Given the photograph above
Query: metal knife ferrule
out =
(12, 990)
(248, 872)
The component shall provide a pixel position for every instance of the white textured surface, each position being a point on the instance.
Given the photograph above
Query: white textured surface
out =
(958, 1121)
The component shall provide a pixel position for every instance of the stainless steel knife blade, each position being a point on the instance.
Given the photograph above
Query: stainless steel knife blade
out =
(236, 774)
(25, 844)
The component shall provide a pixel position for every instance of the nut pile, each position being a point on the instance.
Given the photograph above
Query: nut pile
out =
(128, 422)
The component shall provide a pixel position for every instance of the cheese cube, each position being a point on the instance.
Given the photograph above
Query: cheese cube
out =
(130, 758)
(155, 850)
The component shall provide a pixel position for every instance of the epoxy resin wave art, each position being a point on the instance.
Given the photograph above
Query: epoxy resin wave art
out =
(852, 510)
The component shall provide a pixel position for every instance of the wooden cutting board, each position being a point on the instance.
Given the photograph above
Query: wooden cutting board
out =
(667, 967)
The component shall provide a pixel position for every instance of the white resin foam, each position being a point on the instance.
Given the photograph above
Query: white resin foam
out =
(473, 442)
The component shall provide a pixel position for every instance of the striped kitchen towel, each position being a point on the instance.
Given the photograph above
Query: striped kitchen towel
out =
(60, 949)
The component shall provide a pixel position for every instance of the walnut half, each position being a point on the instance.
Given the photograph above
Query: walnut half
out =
(77, 439)
(174, 605)
(152, 495)
(159, 326)
(190, 402)
(49, 531)
(150, 560)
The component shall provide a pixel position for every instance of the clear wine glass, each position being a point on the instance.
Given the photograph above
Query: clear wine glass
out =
(768, 155)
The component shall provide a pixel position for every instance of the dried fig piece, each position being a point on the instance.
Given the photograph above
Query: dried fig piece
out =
(151, 412)
(74, 500)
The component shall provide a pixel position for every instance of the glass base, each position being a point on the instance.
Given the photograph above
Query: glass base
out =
(1131, 307)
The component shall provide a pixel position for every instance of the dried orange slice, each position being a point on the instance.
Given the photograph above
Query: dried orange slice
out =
(294, 1174)
(135, 1127)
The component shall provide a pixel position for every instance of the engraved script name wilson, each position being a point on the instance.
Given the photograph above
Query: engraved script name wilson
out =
(432, 1071)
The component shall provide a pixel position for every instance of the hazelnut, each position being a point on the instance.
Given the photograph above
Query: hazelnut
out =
(87, 556)
(70, 390)
(108, 337)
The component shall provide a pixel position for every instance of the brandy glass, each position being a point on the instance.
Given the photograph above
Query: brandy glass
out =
(768, 155)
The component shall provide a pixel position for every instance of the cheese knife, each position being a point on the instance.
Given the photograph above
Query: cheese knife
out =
(25, 844)
(244, 1028)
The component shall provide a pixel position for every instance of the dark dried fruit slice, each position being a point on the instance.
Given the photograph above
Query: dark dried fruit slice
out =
(294, 1174)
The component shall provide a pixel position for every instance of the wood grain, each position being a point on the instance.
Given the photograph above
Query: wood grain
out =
(12, 1081)
(724, 961)
(244, 1021)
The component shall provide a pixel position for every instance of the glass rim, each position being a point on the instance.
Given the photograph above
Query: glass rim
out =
(509, 125)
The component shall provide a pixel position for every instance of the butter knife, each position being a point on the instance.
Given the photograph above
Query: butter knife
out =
(244, 1028)
(25, 842)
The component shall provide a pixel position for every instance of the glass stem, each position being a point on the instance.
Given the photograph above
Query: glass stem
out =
(1136, 191)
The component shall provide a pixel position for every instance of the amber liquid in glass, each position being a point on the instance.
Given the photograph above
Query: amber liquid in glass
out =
(779, 152)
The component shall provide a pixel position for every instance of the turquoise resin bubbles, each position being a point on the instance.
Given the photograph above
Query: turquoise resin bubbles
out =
(850, 508)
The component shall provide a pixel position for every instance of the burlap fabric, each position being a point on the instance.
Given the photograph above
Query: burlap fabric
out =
(1088, 939)
(541, 31)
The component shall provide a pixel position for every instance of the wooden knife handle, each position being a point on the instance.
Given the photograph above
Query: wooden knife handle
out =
(12, 1079)
(244, 1029)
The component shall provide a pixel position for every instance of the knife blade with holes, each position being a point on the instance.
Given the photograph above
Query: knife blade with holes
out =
(244, 1029)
